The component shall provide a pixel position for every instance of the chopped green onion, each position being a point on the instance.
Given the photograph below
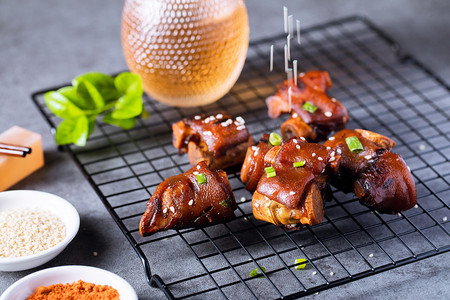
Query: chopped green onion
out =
(299, 164)
(309, 107)
(274, 139)
(302, 263)
(255, 273)
(270, 171)
(226, 202)
(354, 144)
(273, 174)
(201, 178)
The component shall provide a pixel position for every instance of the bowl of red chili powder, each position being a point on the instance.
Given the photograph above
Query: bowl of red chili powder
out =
(71, 282)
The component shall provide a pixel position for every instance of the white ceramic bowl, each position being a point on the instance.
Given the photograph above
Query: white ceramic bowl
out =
(44, 201)
(24, 287)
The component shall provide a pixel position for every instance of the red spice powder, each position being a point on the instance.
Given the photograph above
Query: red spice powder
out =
(78, 290)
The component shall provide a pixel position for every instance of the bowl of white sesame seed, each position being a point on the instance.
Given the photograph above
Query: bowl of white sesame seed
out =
(34, 228)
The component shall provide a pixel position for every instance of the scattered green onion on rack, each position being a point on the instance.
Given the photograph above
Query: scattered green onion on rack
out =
(309, 107)
(255, 273)
(354, 144)
(274, 139)
(301, 262)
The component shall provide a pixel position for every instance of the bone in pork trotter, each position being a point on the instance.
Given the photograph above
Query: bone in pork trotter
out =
(294, 192)
(380, 178)
(313, 124)
(218, 139)
(184, 201)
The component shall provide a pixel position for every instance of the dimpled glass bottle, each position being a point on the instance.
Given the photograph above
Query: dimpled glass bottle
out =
(188, 52)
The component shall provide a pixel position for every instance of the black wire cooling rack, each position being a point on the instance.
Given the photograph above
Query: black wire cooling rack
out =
(383, 92)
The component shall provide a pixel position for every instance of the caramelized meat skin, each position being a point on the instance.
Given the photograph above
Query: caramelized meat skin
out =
(311, 87)
(218, 139)
(295, 195)
(380, 178)
(182, 202)
(253, 166)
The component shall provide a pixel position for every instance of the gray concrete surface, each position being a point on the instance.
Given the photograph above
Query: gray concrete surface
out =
(45, 43)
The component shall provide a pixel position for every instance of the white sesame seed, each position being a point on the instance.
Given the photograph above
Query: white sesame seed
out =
(368, 157)
(240, 120)
(333, 100)
(328, 148)
(314, 273)
(444, 219)
(302, 138)
(328, 114)
(332, 159)
(212, 118)
(332, 273)
(256, 204)
(95, 253)
(295, 141)
(331, 138)
(332, 153)
(26, 231)
(225, 124)
(291, 193)
(240, 127)
(164, 210)
(301, 74)
(339, 151)
(399, 214)
(208, 133)
(172, 209)
(242, 199)
(319, 158)
(195, 173)
(198, 167)
(237, 123)
(297, 146)
(294, 115)
(197, 117)
(371, 255)
(416, 206)
(314, 154)
(256, 152)
(206, 120)
(254, 148)
(219, 116)
(191, 202)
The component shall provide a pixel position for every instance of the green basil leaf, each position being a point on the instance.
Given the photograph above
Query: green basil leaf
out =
(91, 125)
(73, 131)
(61, 105)
(70, 93)
(129, 83)
(122, 123)
(127, 106)
(89, 93)
(102, 82)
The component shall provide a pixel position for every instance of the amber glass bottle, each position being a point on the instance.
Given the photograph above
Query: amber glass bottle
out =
(188, 52)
